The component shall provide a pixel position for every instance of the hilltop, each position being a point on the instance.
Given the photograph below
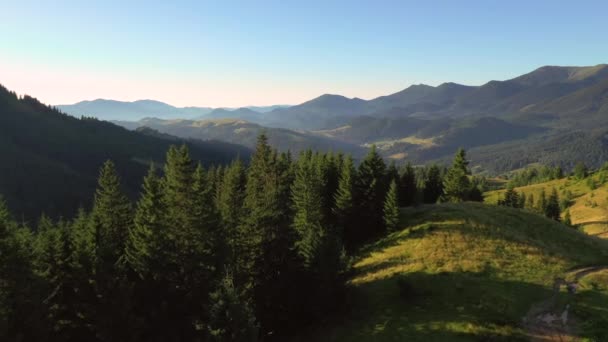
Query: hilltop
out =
(470, 272)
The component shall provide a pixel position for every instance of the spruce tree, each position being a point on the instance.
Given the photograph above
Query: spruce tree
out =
(230, 207)
(230, 317)
(391, 208)
(344, 203)
(370, 192)
(144, 249)
(552, 209)
(407, 189)
(456, 183)
(21, 293)
(269, 245)
(111, 220)
(541, 205)
(307, 199)
(433, 185)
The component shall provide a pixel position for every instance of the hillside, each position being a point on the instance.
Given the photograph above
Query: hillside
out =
(245, 133)
(50, 160)
(471, 272)
(588, 200)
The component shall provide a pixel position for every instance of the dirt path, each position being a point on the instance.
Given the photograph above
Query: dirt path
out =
(550, 321)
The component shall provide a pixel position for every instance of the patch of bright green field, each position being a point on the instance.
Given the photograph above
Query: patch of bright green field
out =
(463, 272)
(589, 206)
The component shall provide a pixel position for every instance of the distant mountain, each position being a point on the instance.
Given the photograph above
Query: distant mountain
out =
(50, 160)
(239, 114)
(318, 113)
(132, 111)
(529, 93)
(245, 133)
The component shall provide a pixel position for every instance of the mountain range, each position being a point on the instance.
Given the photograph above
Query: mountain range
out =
(555, 115)
(120, 110)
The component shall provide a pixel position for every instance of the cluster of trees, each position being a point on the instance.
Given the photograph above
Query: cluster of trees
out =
(231, 253)
(548, 206)
(535, 175)
(228, 253)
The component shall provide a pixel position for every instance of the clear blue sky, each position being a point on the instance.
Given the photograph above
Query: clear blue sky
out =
(233, 53)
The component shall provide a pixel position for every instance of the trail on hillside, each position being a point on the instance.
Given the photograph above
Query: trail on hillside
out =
(549, 321)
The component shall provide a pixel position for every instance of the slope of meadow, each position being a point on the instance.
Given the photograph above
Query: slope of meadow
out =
(468, 272)
(588, 205)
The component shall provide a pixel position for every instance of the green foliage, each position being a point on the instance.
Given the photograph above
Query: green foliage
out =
(407, 187)
(391, 208)
(230, 318)
(50, 159)
(580, 171)
(370, 191)
(456, 184)
(144, 247)
(511, 199)
(534, 175)
(345, 203)
(552, 209)
(433, 185)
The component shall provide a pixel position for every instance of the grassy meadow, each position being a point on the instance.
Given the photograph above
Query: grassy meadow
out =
(467, 272)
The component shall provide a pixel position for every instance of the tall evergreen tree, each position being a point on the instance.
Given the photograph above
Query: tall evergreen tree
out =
(370, 191)
(269, 245)
(344, 203)
(456, 183)
(307, 199)
(433, 185)
(20, 316)
(144, 246)
(541, 205)
(391, 208)
(230, 206)
(111, 219)
(552, 209)
(407, 188)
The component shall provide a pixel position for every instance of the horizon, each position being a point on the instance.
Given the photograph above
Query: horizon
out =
(243, 54)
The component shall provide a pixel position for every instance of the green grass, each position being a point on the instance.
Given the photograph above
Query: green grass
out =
(472, 271)
(588, 208)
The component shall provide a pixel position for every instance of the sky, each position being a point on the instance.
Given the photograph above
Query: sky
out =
(238, 53)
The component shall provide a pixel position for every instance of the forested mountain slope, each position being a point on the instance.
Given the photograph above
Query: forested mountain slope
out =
(50, 160)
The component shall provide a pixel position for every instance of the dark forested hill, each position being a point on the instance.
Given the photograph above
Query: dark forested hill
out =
(50, 160)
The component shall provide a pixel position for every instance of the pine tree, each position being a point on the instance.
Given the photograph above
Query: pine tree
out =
(144, 249)
(111, 219)
(511, 198)
(552, 209)
(407, 188)
(344, 207)
(433, 185)
(522, 201)
(391, 208)
(541, 205)
(456, 183)
(307, 199)
(530, 204)
(231, 318)
(20, 290)
(269, 246)
(370, 192)
(230, 207)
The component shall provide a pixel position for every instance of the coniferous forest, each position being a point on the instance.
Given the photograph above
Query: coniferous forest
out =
(227, 253)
